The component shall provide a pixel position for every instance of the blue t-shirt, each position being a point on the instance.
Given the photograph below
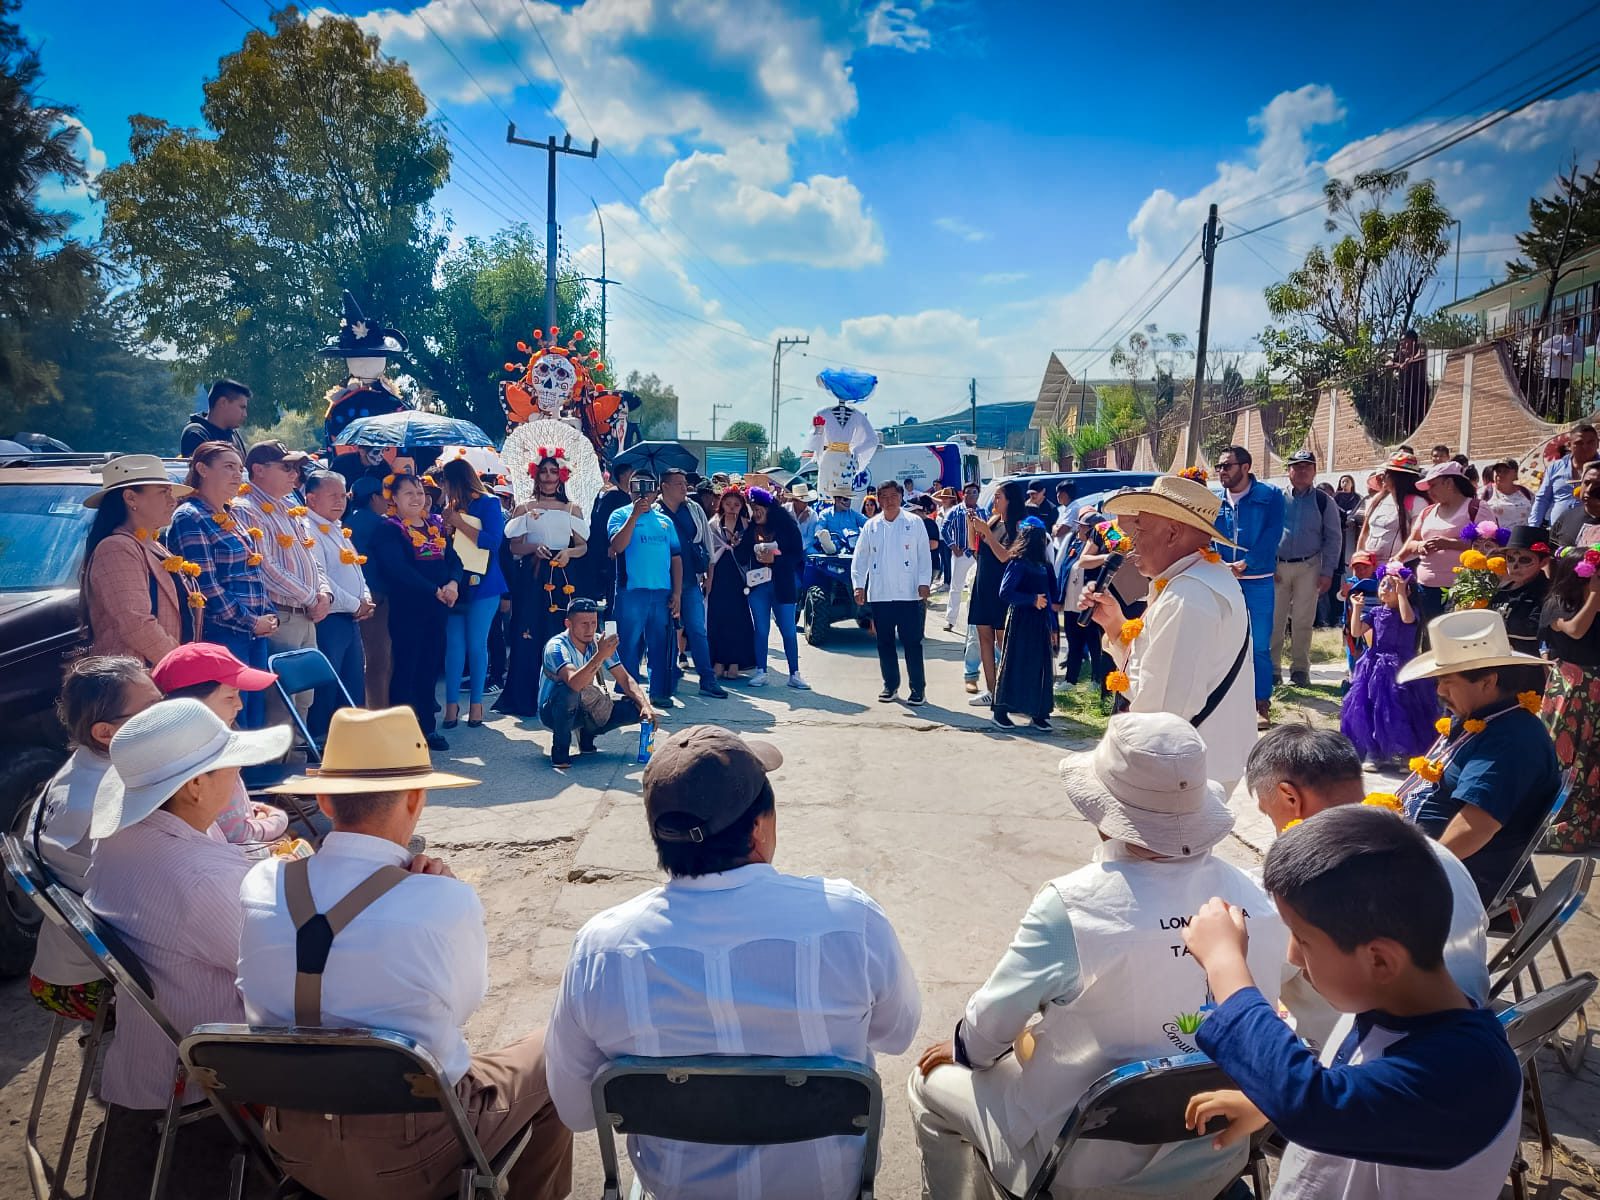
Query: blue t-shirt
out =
(1510, 771)
(648, 556)
(560, 652)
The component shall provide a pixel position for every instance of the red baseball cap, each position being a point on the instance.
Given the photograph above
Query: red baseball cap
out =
(206, 662)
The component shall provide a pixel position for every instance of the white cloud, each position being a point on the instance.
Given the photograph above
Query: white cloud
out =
(898, 27)
(758, 214)
(961, 229)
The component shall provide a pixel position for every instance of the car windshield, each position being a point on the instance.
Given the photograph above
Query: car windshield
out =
(42, 530)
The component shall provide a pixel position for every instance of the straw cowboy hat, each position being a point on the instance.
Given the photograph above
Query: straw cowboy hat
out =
(1172, 498)
(133, 470)
(1469, 640)
(369, 750)
(1146, 783)
(803, 492)
(165, 746)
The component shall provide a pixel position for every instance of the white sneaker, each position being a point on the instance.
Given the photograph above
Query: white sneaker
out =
(798, 684)
(981, 699)
(759, 679)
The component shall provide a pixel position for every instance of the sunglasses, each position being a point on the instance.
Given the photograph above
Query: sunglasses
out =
(1228, 466)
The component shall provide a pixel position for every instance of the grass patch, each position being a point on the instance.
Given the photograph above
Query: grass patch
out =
(1327, 645)
(1318, 704)
(1080, 706)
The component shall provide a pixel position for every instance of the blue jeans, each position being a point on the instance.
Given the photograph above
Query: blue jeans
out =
(1259, 598)
(339, 639)
(693, 615)
(644, 626)
(762, 610)
(971, 663)
(466, 644)
(252, 651)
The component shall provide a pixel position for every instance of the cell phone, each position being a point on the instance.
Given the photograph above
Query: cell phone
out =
(641, 486)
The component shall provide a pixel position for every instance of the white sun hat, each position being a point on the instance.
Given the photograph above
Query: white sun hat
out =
(158, 751)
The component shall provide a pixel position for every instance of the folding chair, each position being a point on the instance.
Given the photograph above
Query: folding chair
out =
(737, 1100)
(342, 1072)
(120, 965)
(1529, 1024)
(305, 670)
(1541, 925)
(1142, 1104)
(31, 877)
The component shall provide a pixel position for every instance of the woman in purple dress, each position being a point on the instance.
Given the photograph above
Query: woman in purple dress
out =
(1388, 721)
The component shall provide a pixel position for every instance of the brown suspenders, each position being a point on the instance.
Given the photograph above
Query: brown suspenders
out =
(314, 932)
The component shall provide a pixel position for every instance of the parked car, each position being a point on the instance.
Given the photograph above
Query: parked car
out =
(1095, 479)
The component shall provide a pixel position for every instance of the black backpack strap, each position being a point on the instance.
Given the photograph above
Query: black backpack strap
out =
(1221, 689)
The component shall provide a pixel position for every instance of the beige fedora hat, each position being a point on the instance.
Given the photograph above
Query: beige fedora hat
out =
(1175, 499)
(134, 470)
(371, 750)
(1469, 640)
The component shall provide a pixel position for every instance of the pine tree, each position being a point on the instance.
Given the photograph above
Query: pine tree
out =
(1562, 227)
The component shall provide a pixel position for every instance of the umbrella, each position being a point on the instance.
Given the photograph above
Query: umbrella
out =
(652, 458)
(485, 460)
(411, 428)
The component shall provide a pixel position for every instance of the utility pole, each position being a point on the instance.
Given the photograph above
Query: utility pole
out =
(1456, 292)
(1208, 249)
(778, 351)
(715, 409)
(550, 236)
(972, 400)
(602, 280)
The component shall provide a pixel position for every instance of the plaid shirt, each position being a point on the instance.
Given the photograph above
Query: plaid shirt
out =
(235, 592)
(289, 565)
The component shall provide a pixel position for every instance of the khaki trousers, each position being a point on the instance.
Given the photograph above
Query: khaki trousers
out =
(419, 1157)
(1295, 602)
(379, 654)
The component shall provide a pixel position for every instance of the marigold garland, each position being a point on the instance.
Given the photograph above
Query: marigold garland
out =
(347, 556)
(1117, 681)
(141, 535)
(1532, 701)
(1383, 800)
(196, 600)
(285, 540)
(1211, 556)
(1160, 585)
(173, 563)
(253, 560)
(192, 570)
(268, 507)
(1474, 726)
(1132, 629)
(1428, 770)
(244, 489)
(1442, 725)
(345, 531)
(255, 533)
(299, 510)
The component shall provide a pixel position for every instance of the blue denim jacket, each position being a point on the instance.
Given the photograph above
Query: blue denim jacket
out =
(1260, 526)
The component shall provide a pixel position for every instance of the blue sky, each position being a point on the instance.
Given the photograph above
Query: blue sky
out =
(932, 190)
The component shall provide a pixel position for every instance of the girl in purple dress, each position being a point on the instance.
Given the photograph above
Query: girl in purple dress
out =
(1389, 722)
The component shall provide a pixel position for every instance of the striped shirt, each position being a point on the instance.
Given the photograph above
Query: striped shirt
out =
(235, 591)
(953, 528)
(294, 577)
(172, 892)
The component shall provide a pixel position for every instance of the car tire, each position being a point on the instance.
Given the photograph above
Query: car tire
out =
(819, 616)
(21, 778)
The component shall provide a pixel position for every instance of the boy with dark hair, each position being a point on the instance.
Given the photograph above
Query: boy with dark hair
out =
(227, 409)
(1423, 1098)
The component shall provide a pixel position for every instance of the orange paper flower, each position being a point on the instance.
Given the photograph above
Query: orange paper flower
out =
(1117, 682)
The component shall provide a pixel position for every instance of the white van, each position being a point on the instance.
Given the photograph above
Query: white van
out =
(929, 465)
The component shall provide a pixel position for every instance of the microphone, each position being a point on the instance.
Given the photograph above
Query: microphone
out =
(1107, 569)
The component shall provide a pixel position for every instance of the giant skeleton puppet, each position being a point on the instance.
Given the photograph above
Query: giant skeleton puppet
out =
(558, 383)
(843, 440)
(365, 345)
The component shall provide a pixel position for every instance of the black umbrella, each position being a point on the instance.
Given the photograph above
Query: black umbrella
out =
(652, 458)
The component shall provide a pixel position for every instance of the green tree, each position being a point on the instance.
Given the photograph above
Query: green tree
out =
(45, 277)
(490, 297)
(1168, 362)
(1055, 443)
(1560, 228)
(747, 431)
(657, 414)
(788, 459)
(315, 173)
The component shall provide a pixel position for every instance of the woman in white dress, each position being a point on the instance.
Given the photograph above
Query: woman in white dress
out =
(544, 535)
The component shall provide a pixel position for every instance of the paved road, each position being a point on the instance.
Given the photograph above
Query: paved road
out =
(949, 823)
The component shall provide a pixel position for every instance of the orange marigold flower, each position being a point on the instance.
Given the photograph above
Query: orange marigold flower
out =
(253, 560)
(361, 560)
(568, 589)
(1498, 565)
(1288, 825)
(285, 540)
(1442, 724)
(255, 532)
(1474, 726)
(347, 556)
(1117, 681)
(1474, 560)
(307, 543)
(244, 489)
(345, 530)
(196, 600)
(1160, 585)
(1383, 800)
(173, 563)
(1211, 556)
(267, 506)
(1132, 629)
(1532, 701)
(324, 526)
(222, 519)
(141, 535)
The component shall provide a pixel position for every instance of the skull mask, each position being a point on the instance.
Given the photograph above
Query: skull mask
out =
(553, 380)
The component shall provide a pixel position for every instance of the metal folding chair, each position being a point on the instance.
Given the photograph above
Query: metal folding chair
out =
(737, 1100)
(1541, 925)
(342, 1072)
(305, 670)
(120, 965)
(1529, 1024)
(1142, 1104)
(30, 878)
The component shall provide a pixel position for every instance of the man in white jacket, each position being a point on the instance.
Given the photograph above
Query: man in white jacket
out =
(1097, 976)
(892, 570)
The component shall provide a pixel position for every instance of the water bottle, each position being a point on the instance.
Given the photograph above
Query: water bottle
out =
(647, 740)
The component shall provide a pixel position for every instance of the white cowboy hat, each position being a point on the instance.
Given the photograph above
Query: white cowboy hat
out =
(368, 750)
(165, 746)
(1146, 783)
(1469, 640)
(134, 470)
(802, 492)
(1172, 498)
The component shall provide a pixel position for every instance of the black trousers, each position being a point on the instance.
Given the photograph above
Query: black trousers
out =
(416, 627)
(563, 716)
(902, 619)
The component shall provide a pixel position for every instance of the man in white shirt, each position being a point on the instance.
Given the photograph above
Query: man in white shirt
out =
(407, 952)
(338, 633)
(893, 570)
(1096, 976)
(728, 957)
(1294, 772)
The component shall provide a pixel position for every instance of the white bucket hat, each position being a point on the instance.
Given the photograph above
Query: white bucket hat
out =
(165, 746)
(1146, 783)
(1468, 640)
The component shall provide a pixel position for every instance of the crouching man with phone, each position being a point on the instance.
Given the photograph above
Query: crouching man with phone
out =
(572, 696)
(649, 595)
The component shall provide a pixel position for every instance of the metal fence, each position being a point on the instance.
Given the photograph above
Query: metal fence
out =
(1555, 363)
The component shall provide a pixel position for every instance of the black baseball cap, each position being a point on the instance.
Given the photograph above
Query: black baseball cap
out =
(1302, 456)
(702, 780)
(581, 604)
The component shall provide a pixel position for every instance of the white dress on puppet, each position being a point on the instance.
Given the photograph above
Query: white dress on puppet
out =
(522, 452)
(843, 442)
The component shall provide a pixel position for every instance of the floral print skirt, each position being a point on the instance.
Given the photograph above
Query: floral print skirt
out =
(1572, 714)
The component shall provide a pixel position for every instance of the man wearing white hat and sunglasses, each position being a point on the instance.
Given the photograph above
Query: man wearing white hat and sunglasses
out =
(1096, 976)
(163, 876)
